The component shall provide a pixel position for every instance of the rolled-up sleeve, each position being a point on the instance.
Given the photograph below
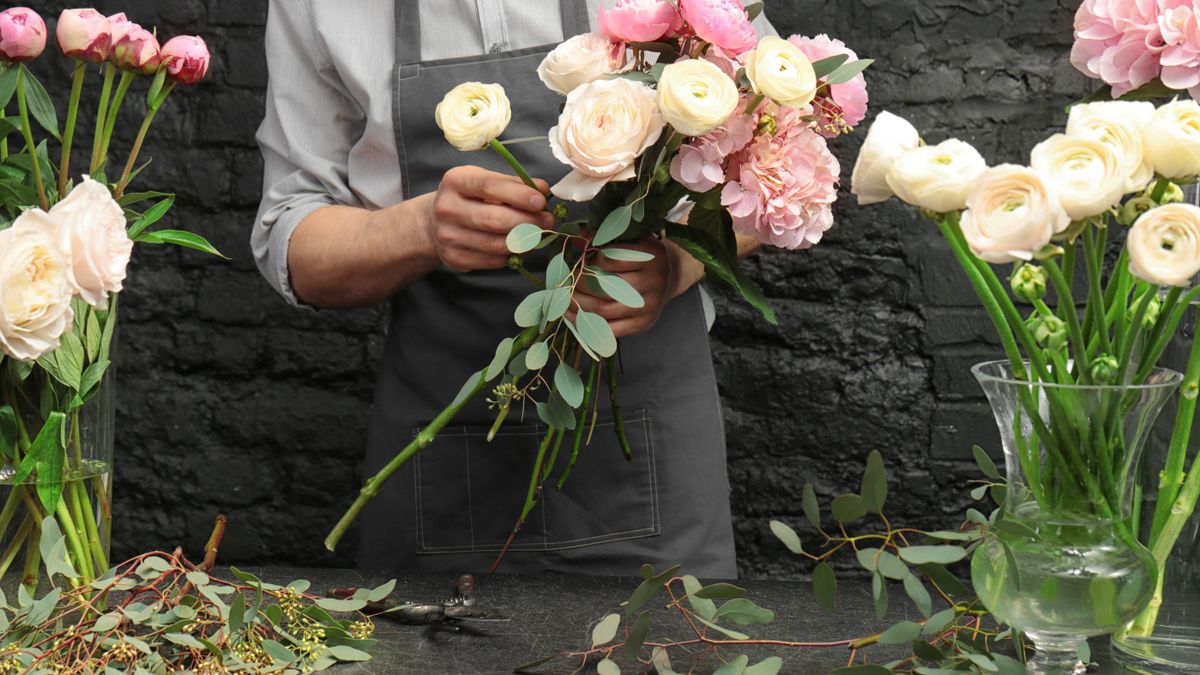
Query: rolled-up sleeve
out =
(310, 126)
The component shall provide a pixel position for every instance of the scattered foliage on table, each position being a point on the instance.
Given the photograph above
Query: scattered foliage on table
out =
(159, 613)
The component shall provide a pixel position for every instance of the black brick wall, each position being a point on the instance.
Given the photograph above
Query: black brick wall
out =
(231, 401)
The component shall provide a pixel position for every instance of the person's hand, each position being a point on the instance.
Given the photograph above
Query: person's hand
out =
(473, 211)
(657, 281)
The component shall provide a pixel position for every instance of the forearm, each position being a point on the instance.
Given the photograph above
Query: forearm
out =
(689, 271)
(341, 256)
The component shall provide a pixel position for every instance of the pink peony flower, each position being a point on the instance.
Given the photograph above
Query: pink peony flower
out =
(638, 20)
(1180, 59)
(136, 50)
(186, 59)
(84, 34)
(22, 34)
(700, 164)
(849, 99)
(1119, 41)
(722, 22)
(782, 186)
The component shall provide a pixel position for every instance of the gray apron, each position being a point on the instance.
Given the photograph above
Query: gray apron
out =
(452, 507)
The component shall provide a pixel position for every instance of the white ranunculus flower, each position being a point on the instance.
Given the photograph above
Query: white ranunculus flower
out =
(889, 137)
(604, 127)
(1164, 245)
(35, 291)
(582, 59)
(937, 177)
(473, 115)
(89, 226)
(1011, 215)
(1121, 125)
(696, 96)
(778, 70)
(1088, 176)
(1173, 140)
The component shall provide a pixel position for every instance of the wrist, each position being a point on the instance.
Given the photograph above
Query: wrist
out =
(685, 272)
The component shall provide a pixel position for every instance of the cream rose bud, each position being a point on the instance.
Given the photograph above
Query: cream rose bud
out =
(35, 291)
(1088, 176)
(696, 96)
(778, 70)
(1173, 140)
(1164, 245)
(604, 127)
(1011, 215)
(582, 59)
(889, 137)
(937, 177)
(1121, 125)
(473, 115)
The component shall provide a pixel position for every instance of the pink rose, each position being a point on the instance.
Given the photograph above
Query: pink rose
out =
(22, 34)
(84, 34)
(1119, 42)
(136, 50)
(700, 164)
(186, 59)
(722, 22)
(1180, 25)
(849, 99)
(638, 20)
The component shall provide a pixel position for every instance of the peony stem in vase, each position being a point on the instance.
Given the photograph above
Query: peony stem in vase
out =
(27, 132)
(101, 112)
(110, 120)
(151, 111)
(68, 139)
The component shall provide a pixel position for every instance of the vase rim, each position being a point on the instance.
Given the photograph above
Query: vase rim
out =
(1167, 378)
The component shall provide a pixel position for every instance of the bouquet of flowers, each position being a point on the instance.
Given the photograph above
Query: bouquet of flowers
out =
(64, 249)
(678, 123)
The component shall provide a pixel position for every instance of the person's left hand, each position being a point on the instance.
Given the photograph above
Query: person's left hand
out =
(656, 280)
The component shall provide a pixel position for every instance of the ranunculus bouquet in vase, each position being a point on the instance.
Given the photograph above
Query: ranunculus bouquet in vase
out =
(1079, 388)
(680, 124)
(64, 248)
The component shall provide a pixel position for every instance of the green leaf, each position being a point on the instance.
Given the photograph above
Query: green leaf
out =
(721, 263)
(607, 667)
(825, 586)
(569, 384)
(732, 634)
(52, 546)
(281, 654)
(753, 9)
(467, 388)
(649, 587)
(898, 634)
(40, 105)
(92, 334)
(946, 581)
(618, 289)
(614, 225)
(9, 433)
(626, 255)
(179, 238)
(156, 85)
(880, 592)
(848, 508)
(869, 669)
(848, 71)
(557, 271)
(107, 622)
(500, 360)
(918, 594)
(606, 630)
(131, 198)
(768, 666)
(45, 457)
(1015, 530)
(555, 305)
(381, 592)
(340, 604)
(744, 612)
(197, 578)
(537, 356)
(347, 653)
(954, 535)
(986, 465)
(637, 635)
(529, 311)
(720, 590)
(812, 510)
(237, 613)
(703, 607)
(92, 376)
(555, 412)
(151, 216)
(874, 483)
(532, 666)
(8, 84)
(524, 238)
(788, 536)
(735, 666)
(827, 66)
(944, 555)
(595, 331)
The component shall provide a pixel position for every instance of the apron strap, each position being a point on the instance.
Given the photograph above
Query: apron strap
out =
(573, 13)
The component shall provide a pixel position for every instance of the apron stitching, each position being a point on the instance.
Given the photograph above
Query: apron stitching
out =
(496, 58)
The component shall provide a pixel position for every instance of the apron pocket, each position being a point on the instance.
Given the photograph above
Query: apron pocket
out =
(469, 492)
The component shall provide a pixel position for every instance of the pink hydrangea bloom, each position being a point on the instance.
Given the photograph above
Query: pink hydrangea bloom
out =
(849, 98)
(1119, 41)
(1180, 59)
(638, 20)
(722, 22)
(782, 186)
(700, 164)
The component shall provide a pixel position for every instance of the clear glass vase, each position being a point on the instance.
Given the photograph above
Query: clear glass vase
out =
(1064, 563)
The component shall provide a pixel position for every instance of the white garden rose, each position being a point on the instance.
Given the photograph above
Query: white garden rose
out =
(1088, 176)
(1164, 245)
(89, 226)
(937, 177)
(778, 70)
(1011, 215)
(696, 96)
(473, 115)
(889, 137)
(582, 59)
(1120, 125)
(604, 127)
(35, 291)
(1173, 140)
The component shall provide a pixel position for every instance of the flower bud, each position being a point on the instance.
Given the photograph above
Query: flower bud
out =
(1152, 310)
(22, 34)
(136, 50)
(1173, 195)
(767, 124)
(1029, 283)
(1104, 369)
(1050, 332)
(186, 59)
(84, 34)
(560, 211)
(1133, 209)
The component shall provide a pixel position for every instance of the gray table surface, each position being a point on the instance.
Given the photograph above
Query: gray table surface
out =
(553, 613)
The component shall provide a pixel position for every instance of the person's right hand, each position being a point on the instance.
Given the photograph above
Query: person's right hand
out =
(473, 211)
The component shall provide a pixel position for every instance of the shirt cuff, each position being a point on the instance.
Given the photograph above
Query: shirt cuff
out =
(273, 262)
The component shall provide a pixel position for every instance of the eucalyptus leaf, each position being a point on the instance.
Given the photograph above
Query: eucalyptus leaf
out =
(607, 667)
(918, 594)
(735, 666)
(613, 226)
(900, 633)
(604, 631)
(340, 605)
(504, 352)
(557, 271)
(529, 311)
(703, 607)
(556, 304)
(728, 632)
(874, 483)
(880, 592)
(828, 65)
(537, 356)
(637, 635)
(619, 290)
(524, 238)
(788, 536)
(556, 413)
(649, 587)
(986, 465)
(626, 255)
(281, 654)
(108, 621)
(848, 508)
(720, 590)
(944, 555)
(812, 510)
(825, 586)
(768, 666)
(595, 331)
(569, 385)
(848, 71)
(744, 612)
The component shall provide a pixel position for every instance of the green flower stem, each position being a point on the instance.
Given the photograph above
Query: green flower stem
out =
(90, 530)
(1171, 479)
(10, 508)
(422, 440)
(3, 141)
(141, 137)
(110, 118)
(512, 161)
(101, 112)
(1160, 189)
(27, 132)
(615, 405)
(69, 502)
(33, 558)
(753, 104)
(80, 559)
(1066, 306)
(1095, 319)
(535, 487)
(1156, 350)
(64, 167)
(588, 394)
(15, 546)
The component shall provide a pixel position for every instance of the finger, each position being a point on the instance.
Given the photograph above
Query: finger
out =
(611, 310)
(542, 185)
(475, 241)
(500, 219)
(463, 260)
(499, 188)
(627, 327)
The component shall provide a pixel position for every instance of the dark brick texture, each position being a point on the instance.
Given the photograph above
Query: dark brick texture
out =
(231, 401)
